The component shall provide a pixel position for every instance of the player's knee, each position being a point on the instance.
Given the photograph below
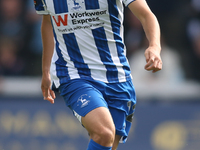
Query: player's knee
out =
(105, 136)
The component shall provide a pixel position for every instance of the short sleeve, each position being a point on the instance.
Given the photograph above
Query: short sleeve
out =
(40, 7)
(127, 2)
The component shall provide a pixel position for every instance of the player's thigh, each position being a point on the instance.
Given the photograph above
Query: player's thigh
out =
(98, 120)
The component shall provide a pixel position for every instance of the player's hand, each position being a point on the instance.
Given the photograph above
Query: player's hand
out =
(153, 59)
(48, 94)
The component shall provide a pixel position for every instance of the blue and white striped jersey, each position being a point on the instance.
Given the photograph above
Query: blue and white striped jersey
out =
(88, 39)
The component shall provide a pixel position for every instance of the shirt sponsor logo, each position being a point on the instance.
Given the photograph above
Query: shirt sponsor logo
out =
(60, 20)
(91, 17)
(79, 19)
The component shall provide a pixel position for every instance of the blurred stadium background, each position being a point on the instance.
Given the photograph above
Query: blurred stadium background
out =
(168, 111)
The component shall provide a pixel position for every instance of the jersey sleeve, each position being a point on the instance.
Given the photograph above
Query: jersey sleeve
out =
(40, 7)
(127, 2)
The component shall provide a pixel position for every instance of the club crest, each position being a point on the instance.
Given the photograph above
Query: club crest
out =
(75, 5)
(83, 100)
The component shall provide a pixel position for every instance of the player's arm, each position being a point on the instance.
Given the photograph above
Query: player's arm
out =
(48, 46)
(152, 30)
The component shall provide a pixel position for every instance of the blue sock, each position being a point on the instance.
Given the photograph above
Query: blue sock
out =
(95, 146)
